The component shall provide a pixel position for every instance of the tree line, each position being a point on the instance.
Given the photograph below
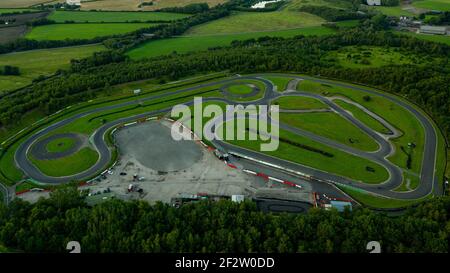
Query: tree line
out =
(128, 227)
(188, 9)
(426, 84)
(333, 14)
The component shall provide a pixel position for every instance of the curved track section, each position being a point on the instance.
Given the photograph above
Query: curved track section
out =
(40, 152)
(428, 183)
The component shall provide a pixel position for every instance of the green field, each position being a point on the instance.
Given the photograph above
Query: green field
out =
(81, 31)
(21, 3)
(332, 126)
(341, 163)
(375, 201)
(445, 39)
(73, 164)
(391, 112)
(113, 17)
(54, 59)
(280, 83)
(441, 5)
(299, 103)
(363, 117)
(186, 44)
(240, 89)
(364, 57)
(255, 21)
(395, 11)
(60, 145)
(410, 182)
(296, 4)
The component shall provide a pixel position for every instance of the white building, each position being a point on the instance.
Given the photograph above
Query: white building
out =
(433, 30)
(374, 2)
(237, 198)
(73, 2)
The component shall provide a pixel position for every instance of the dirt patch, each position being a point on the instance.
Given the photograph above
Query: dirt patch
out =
(16, 26)
(9, 34)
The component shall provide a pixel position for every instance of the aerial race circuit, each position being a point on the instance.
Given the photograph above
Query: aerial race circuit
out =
(259, 89)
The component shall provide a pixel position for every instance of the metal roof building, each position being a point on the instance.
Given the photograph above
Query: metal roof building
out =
(340, 205)
(433, 30)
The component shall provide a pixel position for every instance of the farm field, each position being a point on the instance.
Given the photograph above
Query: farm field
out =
(133, 5)
(54, 59)
(396, 11)
(22, 3)
(9, 34)
(296, 4)
(113, 17)
(257, 21)
(81, 31)
(6, 11)
(441, 5)
(186, 44)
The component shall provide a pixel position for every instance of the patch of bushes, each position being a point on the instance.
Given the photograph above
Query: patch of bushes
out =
(9, 70)
(189, 9)
(306, 147)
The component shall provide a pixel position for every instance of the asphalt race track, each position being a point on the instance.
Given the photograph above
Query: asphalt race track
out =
(428, 182)
(39, 149)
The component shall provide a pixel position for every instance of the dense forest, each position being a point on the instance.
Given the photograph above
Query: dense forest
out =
(425, 84)
(119, 226)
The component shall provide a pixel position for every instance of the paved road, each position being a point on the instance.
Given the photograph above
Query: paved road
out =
(40, 152)
(429, 182)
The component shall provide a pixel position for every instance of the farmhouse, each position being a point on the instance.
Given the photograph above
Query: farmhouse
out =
(433, 30)
(374, 2)
(73, 2)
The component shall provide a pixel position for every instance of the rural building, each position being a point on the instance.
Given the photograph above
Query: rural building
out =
(374, 2)
(339, 205)
(433, 30)
(73, 2)
(237, 198)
